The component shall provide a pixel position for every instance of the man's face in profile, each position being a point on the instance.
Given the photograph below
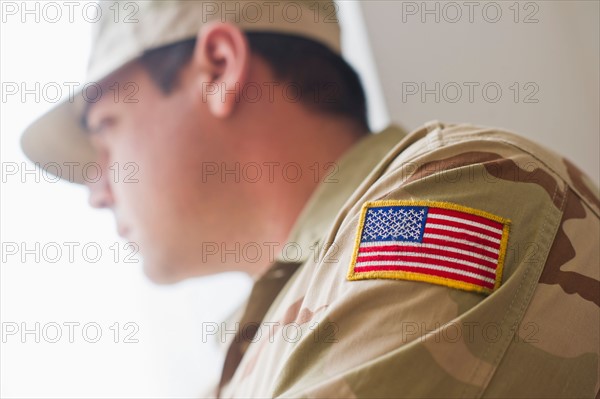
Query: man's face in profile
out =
(150, 147)
(154, 149)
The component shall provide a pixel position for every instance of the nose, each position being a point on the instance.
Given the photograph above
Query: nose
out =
(100, 193)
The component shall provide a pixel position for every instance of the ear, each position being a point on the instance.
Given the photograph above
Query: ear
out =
(223, 55)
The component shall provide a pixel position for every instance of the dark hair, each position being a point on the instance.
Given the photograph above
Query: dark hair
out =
(321, 79)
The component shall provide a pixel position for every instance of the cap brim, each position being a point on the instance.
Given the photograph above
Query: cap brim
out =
(58, 143)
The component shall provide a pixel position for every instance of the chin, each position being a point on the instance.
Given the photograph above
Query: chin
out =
(162, 273)
(163, 269)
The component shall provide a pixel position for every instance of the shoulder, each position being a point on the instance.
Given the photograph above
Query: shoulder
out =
(479, 175)
(493, 153)
(457, 229)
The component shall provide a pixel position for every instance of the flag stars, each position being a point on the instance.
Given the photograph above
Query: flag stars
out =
(393, 223)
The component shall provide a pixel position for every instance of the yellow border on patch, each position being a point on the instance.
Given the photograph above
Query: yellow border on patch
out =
(400, 275)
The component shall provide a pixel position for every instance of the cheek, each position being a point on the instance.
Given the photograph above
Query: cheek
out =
(169, 147)
(159, 157)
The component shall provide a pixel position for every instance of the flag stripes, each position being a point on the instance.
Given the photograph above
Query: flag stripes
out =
(436, 242)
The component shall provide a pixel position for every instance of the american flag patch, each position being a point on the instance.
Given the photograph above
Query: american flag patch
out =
(435, 242)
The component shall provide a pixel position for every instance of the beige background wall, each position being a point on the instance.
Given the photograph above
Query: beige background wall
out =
(550, 49)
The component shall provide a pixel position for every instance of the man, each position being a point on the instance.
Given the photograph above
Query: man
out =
(452, 261)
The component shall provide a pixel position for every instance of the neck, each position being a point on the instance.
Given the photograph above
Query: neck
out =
(302, 149)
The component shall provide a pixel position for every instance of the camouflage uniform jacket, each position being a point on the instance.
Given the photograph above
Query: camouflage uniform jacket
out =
(518, 317)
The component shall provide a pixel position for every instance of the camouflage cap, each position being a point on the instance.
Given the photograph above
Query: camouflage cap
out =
(58, 136)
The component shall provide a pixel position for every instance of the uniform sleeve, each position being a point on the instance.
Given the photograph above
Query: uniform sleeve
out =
(531, 331)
